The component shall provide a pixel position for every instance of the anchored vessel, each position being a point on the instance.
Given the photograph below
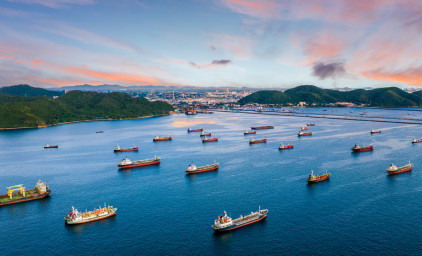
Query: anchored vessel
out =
(194, 169)
(358, 148)
(252, 141)
(246, 132)
(51, 146)
(302, 133)
(126, 163)
(204, 134)
(375, 131)
(396, 170)
(41, 190)
(282, 147)
(310, 124)
(262, 127)
(226, 223)
(416, 140)
(314, 179)
(119, 149)
(99, 132)
(195, 130)
(205, 139)
(76, 217)
(304, 128)
(156, 138)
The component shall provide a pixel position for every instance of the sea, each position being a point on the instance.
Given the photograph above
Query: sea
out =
(163, 211)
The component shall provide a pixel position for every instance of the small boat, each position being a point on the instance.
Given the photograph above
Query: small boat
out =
(363, 113)
(252, 141)
(314, 179)
(156, 138)
(302, 133)
(205, 139)
(226, 223)
(119, 149)
(416, 140)
(21, 195)
(396, 170)
(358, 148)
(192, 169)
(191, 112)
(51, 146)
(262, 127)
(375, 131)
(282, 147)
(310, 124)
(99, 132)
(246, 132)
(76, 217)
(126, 163)
(204, 134)
(304, 128)
(195, 130)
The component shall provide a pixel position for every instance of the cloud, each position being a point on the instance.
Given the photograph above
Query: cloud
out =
(213, 48)
(54, 3)
(411, 76)
(238, 46)
(332, 70)
(184, 122)
(213, 64)
(221, 62)
(256, 8)
(36, 62)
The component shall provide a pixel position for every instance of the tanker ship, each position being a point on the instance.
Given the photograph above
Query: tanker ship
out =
(302, 133)
(21, 195)
(358, 148)
(226, 223)
(195, 130)
(76, 217)
(262, 127)
(314, 179)
(282, 147)
(252, 141)
(375, 131)
(156, 138)
(126, 163)
(246, 132)
(396, 170)
(192, 169)
(119, 149)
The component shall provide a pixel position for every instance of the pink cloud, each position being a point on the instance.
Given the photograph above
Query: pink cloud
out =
(36, 62)
(256, 8)
(54, 3)
(412, 76)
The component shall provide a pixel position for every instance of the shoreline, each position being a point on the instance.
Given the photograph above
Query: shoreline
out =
(79, 121)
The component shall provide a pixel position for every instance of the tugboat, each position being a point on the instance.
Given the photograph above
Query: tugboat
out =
(314, 179)
(193, 169)
(310, 124)
(302, 133)
(396, 170)
(119, 149)
(262, 127)
(41, 190)
(246, 132)
(358, 148)
(205, 139)
(226, 223)
(304, 128)
(252, 141)
(156, 138)
(195, 130)
(76, 217)
(203, 134)
(126, 163)
(282, 147)
(51, 146)
(375, 131)
(416, 140)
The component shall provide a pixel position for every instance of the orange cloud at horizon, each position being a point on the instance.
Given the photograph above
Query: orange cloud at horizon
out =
(411, 76)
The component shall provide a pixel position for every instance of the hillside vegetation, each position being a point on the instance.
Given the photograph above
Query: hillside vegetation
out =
(29, 91)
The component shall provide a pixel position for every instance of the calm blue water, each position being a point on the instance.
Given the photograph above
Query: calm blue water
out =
(161, 211)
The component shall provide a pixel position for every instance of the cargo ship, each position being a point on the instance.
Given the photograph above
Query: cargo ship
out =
(396, 170)
(204, 134)
(195, 130)
(156, 138)
(51, 146)
(252, 141)
(302, 133)
(226, 223)
(205, 139)
(310, 124)
(314, 179)
(358, 148)
(192, 169)
(262, 127)
(416, 140)
(119, 149)
(99, 132)
(375, 131)
(76, 217)
(246, 132)
(282, 147)
(304, 128)
(126, 163)
(40, 191)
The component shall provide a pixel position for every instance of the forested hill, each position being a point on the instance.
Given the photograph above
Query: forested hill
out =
(382, 97)
(29, 91)
(18, 111)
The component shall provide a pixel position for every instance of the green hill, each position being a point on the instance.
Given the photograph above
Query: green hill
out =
(17, 111)
(382, 97)
(29, 91)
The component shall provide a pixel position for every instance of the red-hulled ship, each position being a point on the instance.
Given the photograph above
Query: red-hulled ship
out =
(119, 149)
(375, 131)
(302, 133)
(192, 169)
(246, 132)
(314, 179)
(126, 163)
(310, 124)
(226, 223)
(358, 148)
(252, 141)
(304, 128)
(262, 127)
(195, 130)
(156, 138)
(396, 170)
(282, 147)
(416, 140)
(205, 134)
(205, 139)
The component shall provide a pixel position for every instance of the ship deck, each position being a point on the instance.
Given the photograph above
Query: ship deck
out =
(247, 218)
(16, 196)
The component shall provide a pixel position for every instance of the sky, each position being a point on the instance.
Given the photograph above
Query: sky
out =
(223, 43)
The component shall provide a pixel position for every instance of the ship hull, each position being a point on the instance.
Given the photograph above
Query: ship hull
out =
(214, 168)
(247, 133)
(210, 140)
(91, 220)
(51, 146)
(286, 147)
(408, 169)
(161, 139)
(22, 200)
(232, 227)
(126, 149)
(305, 134)
(417, 141)
(362, 149)
(262, 127)
(138, 165)
(196, 130)
(205, 135)
(318, 180)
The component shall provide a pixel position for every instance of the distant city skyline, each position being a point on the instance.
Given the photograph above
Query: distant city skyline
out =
(221, 43)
